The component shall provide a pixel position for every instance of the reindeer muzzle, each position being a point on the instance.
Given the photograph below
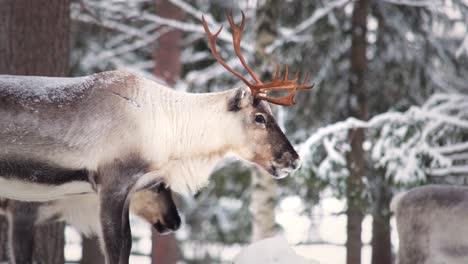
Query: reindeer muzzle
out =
(170, 225)
(285, 165)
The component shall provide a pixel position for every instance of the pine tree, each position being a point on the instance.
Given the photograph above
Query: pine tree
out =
(35, 41)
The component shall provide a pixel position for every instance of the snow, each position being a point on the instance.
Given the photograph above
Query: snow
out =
(110, 53)
(72, 244)
(289, 215)
(405, 140)
(330, 146)
(462, 170)
(140, 259)
(197, 14)
(330, 254)
(463, 47)
(452, 148)
(328, 248)
(416, 3)
(142, 230)
(274, 250)
(141, 248)
(289, 35)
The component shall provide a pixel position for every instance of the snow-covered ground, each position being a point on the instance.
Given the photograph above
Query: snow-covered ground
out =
(327, 224)
(273, 250)
(320, 237)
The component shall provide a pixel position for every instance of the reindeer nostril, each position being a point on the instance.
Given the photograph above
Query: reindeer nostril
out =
(160, 228)
(174, 223)
(279, 156)
(296, 164)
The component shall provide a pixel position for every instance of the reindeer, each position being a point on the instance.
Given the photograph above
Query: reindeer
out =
(131, 133)
(431, 225)
(155, 205)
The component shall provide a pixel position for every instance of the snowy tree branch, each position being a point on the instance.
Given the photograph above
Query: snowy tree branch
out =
(463, 47)
(189, 27)
(288, 35)
(452, 148)
(449, 170)
(417, 3)
(403, 139)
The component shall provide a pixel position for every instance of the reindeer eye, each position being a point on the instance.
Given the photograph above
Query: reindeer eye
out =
(159, 187)
(259, 118)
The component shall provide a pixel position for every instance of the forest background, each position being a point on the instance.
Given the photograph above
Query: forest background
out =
(389, 111)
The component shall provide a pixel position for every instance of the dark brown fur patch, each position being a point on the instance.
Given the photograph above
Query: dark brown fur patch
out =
(36, 171)
(123, 168)
(282, 150)
(234, 103)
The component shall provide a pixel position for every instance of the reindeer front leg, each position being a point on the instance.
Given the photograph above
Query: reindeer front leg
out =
(117, 180)
(115, 227)
(21, 221)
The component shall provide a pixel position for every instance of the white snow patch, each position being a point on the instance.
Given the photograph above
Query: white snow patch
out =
(290, 216)
(330, 254)
(274, 250)
(140, 259)
(72, 244)
(142, 230)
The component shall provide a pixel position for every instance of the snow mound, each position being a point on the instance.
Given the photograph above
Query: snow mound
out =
(273, 250)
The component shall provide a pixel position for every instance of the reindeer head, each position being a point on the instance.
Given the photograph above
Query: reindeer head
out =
(156, 206)
(264, 142)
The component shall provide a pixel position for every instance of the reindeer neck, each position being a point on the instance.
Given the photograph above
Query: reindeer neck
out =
(195, 125)
(195, 131)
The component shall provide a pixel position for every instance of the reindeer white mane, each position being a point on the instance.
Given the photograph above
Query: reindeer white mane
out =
(189, 134)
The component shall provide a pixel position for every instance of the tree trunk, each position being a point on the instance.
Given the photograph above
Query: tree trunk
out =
(165, 249)
(3, 239)
(168, 51)
(263, 205)
(168, 68)
(49, 241)
(34, 40)
(91, 251)
(381, 240)
(381, 230)
(264, 186)
(357, 105)
(355, 201)
(35, 37)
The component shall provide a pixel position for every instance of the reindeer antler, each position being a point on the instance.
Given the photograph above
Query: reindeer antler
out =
(260, 89)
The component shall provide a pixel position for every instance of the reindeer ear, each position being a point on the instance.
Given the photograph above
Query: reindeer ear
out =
(240, 99)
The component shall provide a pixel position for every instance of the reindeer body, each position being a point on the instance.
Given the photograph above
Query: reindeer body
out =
(69, 127)
(129, 132)
(80, 211)
(432, 225)
(117, 133)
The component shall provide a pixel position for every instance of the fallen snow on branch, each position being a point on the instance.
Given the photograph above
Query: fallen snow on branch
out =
(424, 141)
(417, 3)
(288, 35)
